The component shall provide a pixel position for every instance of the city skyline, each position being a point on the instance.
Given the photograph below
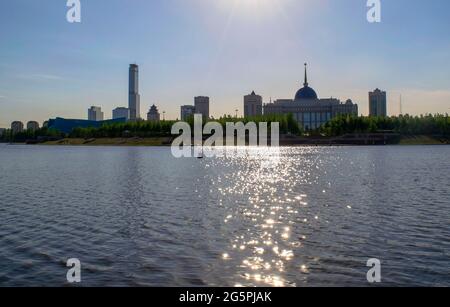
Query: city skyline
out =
(50, 68)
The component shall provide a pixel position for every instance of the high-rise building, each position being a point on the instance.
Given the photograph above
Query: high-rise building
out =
(121, 113)
(187, 112)
(377, 103)
(32, 125)
(134, 99)
(201, 104)
(253, 105)
(153, 115)
(95, 114)
(17, 127)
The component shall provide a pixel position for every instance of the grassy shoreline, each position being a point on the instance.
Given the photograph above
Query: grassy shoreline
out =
(166, 141)
(157, 141)
(421, 140)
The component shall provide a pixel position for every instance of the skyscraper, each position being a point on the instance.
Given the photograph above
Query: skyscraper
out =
(134, 99)
(95, 114)
(253, 105)
(202, 106)
(377, 103)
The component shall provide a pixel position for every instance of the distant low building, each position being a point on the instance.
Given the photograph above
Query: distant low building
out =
(95, 114)
(67, 125)
(253, 105)
(17, 127)
(187, 112)
(378, 103)
(32, 125)
(121, 113)
(153, 114)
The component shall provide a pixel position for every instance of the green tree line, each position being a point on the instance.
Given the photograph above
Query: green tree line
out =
(405, 125)
(128, 129)
(42, 133)
(287, 122)
(163, 128)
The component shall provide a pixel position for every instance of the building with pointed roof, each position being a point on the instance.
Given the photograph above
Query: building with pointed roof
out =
(153, 114)
(308, 109)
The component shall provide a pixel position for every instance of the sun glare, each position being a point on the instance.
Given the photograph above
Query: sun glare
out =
(251, 7)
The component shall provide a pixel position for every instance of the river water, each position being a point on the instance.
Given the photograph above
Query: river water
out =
(136, 216)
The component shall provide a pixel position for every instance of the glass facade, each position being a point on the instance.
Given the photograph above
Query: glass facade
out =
(313, 120)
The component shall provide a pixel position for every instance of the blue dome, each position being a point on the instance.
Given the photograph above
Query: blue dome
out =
(306, 93)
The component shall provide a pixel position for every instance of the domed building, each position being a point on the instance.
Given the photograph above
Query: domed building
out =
(306, 92)
(308, 109)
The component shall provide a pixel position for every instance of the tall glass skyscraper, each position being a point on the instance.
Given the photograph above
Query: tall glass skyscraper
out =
(134, 103)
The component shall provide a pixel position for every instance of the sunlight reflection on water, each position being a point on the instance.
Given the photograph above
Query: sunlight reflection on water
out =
(266, 245)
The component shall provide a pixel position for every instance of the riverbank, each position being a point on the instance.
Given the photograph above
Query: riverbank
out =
(157, 141)
(284, 141)
(423, 140)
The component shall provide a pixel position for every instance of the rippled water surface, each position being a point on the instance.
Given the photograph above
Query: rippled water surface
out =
(138, 217)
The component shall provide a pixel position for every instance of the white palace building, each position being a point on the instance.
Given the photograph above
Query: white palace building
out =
(310, 111)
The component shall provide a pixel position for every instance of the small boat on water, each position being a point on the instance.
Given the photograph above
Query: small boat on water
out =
(200, 155)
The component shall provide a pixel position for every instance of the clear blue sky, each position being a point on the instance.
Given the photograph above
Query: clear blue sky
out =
(220, 48)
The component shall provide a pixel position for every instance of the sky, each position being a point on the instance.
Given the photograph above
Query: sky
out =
(223, 49)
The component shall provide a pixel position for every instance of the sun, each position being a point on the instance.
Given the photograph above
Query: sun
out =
(253, 3)
(256, 5)
(251, 7)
